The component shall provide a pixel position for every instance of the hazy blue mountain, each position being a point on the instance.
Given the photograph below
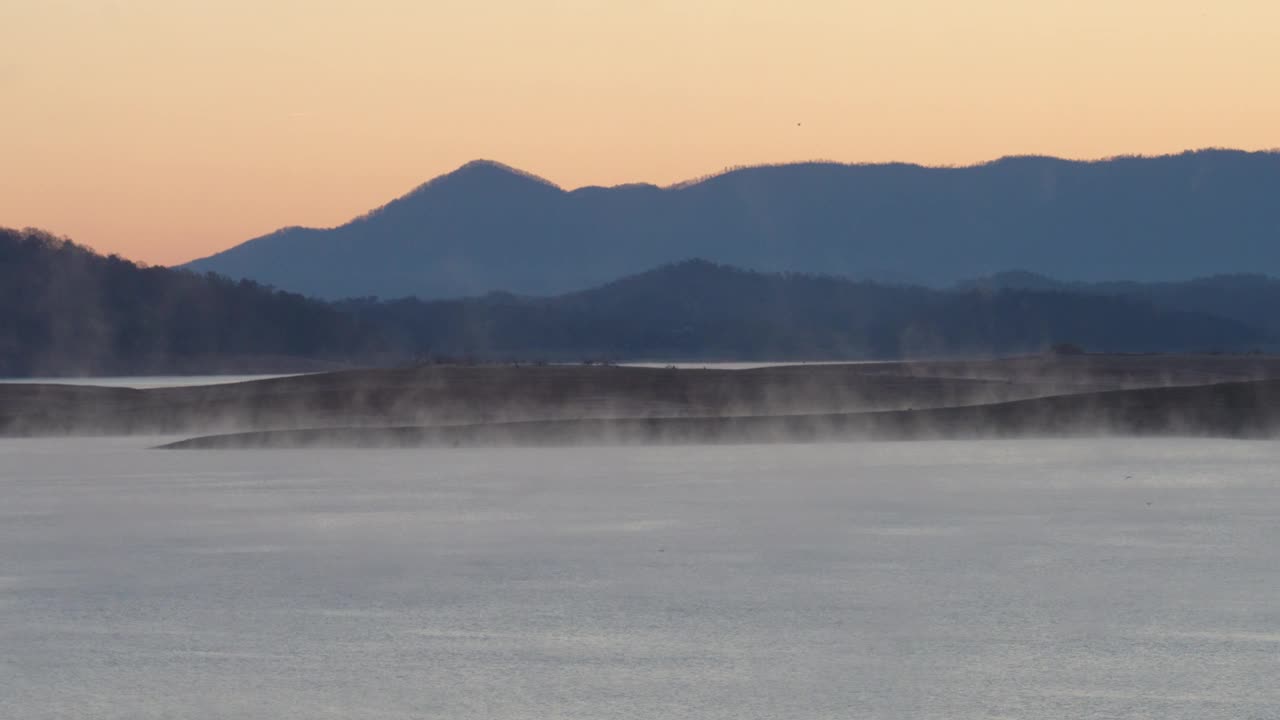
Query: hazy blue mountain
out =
(1252, 299)
(488, 227)
(67, 310)
(1016, 280)
(697, 309)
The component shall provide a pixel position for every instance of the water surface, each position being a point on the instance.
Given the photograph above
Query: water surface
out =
(141, 382)
(1024, 579)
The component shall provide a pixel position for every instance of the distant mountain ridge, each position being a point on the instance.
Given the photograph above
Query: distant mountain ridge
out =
(487, 227)
(700, 310)
(1249, 298)
(67, 310)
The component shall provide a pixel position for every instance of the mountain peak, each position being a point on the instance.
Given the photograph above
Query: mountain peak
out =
(478, 181)
(486, 226)
(488, 170)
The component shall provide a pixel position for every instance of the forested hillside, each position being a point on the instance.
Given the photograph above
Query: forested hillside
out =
(67, 310)
(697, 309)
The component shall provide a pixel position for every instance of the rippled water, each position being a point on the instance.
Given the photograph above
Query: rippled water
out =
(1026, 579)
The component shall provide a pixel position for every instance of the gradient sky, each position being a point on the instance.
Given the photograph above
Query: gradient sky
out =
(169, 129)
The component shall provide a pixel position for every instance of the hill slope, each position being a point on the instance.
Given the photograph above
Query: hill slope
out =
(65, 310)
(1247, 298)
(697, 309)
(486, 227)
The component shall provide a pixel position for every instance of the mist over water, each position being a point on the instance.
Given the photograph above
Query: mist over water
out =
(1028, 579)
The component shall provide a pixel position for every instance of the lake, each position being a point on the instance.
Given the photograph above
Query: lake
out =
(1017, 579)
(141, 382)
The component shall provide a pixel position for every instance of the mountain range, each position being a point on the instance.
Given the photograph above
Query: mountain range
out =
(701, 310)
(487, 227)
(67, 310)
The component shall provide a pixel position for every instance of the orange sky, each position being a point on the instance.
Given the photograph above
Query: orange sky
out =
(169, 129)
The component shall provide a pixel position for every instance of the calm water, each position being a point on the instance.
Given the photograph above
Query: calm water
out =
(744, 365)
(143, 381)
(1028, 579)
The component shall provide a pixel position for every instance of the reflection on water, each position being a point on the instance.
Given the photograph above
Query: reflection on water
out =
(1026, 579)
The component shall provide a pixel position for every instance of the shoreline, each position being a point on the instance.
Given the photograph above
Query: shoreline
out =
(443, 405)
(1249, 410)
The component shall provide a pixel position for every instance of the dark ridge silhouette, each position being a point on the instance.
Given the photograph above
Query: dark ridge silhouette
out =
(1248, 298)
(68, 311)
(697, 309)
(486, 227)
(65, 310)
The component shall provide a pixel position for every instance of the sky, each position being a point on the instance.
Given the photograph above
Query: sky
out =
(166, 130)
